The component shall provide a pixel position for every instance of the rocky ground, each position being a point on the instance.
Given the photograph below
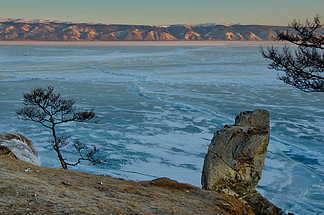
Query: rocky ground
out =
(29, 189)
(232, 169)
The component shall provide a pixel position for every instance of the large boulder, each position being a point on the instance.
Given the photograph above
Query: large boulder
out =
(19, 146)
(235, 157)
(235, 160)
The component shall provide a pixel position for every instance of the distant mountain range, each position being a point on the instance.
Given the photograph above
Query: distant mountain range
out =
(50, 30)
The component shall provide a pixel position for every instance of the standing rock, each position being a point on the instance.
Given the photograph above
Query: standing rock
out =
(235, 160)
(235, 157)
(20, 146)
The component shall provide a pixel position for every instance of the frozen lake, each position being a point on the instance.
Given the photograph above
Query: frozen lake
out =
(158, 107)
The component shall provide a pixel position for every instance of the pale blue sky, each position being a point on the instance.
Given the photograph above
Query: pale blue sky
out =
(269, 12)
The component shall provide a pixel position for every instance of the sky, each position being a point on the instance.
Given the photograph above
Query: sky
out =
(160, 12)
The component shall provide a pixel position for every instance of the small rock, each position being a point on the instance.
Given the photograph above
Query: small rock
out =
(66, 183)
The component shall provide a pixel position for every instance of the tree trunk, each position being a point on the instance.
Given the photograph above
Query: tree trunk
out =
(57, 149)
(63, 163)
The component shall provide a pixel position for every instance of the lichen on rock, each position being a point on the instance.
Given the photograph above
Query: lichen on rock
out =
(236, 155)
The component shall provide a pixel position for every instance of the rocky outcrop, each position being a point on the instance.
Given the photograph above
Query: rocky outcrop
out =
(20, 147)
(30, 189)
(233, 167)
(235, 160)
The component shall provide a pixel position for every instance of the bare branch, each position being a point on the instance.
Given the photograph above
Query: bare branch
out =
(304, 68)
(84, 116)
(49, 109)
(90, 156)
(303, 35)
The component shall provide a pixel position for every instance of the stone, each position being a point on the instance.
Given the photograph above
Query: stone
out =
(257, 118)
(20, 146)
(260, 205)
(235, 157)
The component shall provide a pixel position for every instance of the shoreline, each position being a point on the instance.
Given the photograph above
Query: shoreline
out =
(142, 43)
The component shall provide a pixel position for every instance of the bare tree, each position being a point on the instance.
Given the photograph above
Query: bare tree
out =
(49, 109)
(303, 68)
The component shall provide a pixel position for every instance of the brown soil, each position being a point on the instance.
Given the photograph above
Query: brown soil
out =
(30, 189)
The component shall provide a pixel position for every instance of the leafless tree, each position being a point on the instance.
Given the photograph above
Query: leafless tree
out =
(50, 110)
(303, 68)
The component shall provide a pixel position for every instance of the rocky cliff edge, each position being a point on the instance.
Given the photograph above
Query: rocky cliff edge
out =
(232, 169)
(30, 189)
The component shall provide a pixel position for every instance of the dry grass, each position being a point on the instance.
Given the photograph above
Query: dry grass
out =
(30, 189)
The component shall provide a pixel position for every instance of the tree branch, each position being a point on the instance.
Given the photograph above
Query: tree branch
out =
(49, 109)
(305, 68)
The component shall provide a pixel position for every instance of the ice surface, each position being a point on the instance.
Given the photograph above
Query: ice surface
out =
(158, 107)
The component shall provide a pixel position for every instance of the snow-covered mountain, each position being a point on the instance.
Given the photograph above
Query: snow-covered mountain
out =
(53, 30)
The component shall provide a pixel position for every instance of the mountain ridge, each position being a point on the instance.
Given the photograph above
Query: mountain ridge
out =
(54, 30)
